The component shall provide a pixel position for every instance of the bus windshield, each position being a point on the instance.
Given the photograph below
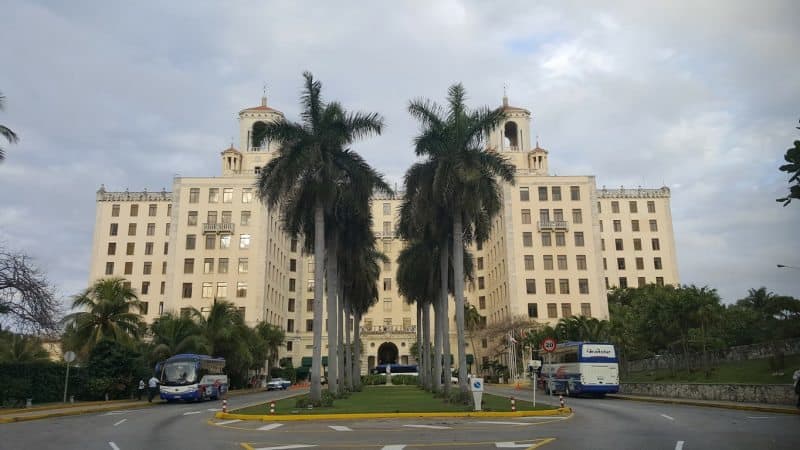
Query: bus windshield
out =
(179, 373)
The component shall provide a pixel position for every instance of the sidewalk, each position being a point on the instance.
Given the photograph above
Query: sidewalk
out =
(762, 407)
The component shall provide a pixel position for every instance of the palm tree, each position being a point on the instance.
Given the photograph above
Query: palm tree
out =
(272, 337)
(16, 348)
(473, 322)
(111, 311)
(302, 177)
(6, 132)
(466, 181)
(173, 334)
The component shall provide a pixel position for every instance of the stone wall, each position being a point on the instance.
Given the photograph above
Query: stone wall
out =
(777, 394)
(739, 353)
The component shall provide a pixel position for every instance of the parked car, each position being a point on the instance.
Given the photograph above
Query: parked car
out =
(278, 384)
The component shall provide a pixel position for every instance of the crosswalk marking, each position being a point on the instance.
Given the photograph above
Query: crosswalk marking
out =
(393, 447)
(189, 413)
(271, 426)
(286, 447)
(340, 428)
(225, 422)
(215, 409)
(432, 427)
(503, 423)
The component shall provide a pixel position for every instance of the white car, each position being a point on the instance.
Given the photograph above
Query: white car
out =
(278, 384)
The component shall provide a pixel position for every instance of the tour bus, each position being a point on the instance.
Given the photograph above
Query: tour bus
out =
(576, 368)
(192, 377)
(397, 369)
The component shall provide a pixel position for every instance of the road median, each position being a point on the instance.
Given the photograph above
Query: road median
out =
(363, 416)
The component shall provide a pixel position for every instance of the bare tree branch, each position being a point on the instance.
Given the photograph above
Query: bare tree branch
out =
(28, 302)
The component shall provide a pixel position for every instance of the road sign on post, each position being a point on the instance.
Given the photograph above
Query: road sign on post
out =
(549, 345)
(476, 386)
(68, 357)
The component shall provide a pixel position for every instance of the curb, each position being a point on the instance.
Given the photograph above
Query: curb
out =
(5, 412)
(709, 405)
(353, 416)
(47, 415)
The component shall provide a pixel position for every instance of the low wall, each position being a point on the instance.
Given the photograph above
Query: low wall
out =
(776, 394)
(739, 353)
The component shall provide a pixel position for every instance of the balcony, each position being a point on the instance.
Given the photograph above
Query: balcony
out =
(385, 235)
(552, 225)
(389, 329)
(218, 228)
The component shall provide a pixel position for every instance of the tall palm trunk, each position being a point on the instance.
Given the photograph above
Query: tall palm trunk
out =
(458, 288)
(357, 352)
(444, 267)
(437, 346)
(319, 258)
(426, 339)
(348, 350)
(340, 352)
(333, 317)
(420, 362)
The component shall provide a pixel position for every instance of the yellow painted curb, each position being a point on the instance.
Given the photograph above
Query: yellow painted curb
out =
(74, 412)
(353, 416)
(5, 412)
(709, 405)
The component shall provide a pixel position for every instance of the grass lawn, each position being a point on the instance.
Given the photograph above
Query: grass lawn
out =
(754, 371)
(383, 399)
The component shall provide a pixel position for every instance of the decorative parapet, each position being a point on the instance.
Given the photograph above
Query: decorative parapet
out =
(389, 329)
(127, 196)
(662, 192)
(398, 195)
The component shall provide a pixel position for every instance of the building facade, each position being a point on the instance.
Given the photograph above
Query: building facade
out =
(556, 247)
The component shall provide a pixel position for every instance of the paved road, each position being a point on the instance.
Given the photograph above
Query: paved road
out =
(596, 424)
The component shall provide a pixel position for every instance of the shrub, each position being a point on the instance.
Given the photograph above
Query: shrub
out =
(41, 381)
(371, 380)
(404, 380)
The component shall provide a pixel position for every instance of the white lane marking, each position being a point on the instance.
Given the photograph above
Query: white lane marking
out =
(214, 409)
(286, 447)
(189, 413)
(123, 420)
(667, 417)
(113, 445)
(759, 417)
(432, 427)
(271, 426)
(679, 445)
(393, 447)
(339, 428)
(512, 445)
(225, 422)
(114, 413)
(504, 423)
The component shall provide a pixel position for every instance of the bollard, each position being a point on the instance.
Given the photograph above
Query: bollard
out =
(513, 405)
(272, 407)
(224, 405)
(72, 399)
(561, 400)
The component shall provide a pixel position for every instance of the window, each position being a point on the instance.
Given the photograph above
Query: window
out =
(605, 264)
(548, 262)
(586, 309)
(128, 268)
(634, 225)
(637, 244)
(603, 244)
(245, 218)
(213, 195)
(227, 195)
(194, 195)
(527, 239)
(247, 195)
(309, 325)
(151, 229)
(211, 241)
(114, 210)
(290, 329)
(617, 226)
(653, 225)
(226, 217)
(387, 209)
(544, 215)
(151, 210)
(524, 194)
(574, 192)
(485, 344)
(556, 193)
(482, 302)
(310, 285)
(208, 290)
(552, 310)
(166, 229)
(166, 248)
(651, 206)
(558, 215)
(225, 241)
(656, 245)
(657, 262)
(561, 239)
(387, 305)
(292, 285)
(208, 265)
(546, 240)
(387, 265)
(533, 310)
(530, 286)
(579, 239)
(244, 241)
(641, 282)
(621, 263)
(162, 289)
(526, 216)
(147, 268)
(577, 216)
(126, 284)
(293, 245)
(639, 263)
(112, 231)
(309, 305)
(222, 265)
(109, 268)
(241, 289)
(387, 228)
(148, 248)
(601, 226)
(623, 282)
(608, 285)
(566, 310)
(188, 265)
(562, 262)
(192, 218)
(599, 207)
(222, 290)
(144, 305)
(164, 268)
(633, 206)
(563, 286)
(211, 218)
(550, 286)
(583, 285)
(387, 284)
(191, 240)
(659, 281)
(542, 193)
(580, 262)
(134, 210)
(481, 283)
(528, 262)
(243, 265)
(290, 305)
(615, 207)
(618, 244)
(169, 209)
(112, 248)
(186, 291)
(131, 229)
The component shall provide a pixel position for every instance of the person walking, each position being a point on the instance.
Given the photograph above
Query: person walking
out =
(153, 384)
(796, 379)
(141, 389)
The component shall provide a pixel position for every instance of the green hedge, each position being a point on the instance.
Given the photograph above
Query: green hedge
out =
(41, 381)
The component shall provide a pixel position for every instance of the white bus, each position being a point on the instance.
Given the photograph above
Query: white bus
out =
(576, 368)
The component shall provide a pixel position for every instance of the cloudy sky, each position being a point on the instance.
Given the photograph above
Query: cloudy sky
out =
(699, 96)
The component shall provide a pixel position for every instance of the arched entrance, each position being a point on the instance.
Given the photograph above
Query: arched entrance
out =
(387, 353)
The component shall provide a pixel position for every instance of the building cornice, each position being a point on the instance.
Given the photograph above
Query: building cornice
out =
(143, 196)
(662, 192)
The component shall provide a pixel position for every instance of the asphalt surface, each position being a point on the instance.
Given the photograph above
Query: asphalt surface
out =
(596, 424)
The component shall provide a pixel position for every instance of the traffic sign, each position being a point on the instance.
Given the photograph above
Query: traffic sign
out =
(69, 356)
(535, 363)
(549, 345)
